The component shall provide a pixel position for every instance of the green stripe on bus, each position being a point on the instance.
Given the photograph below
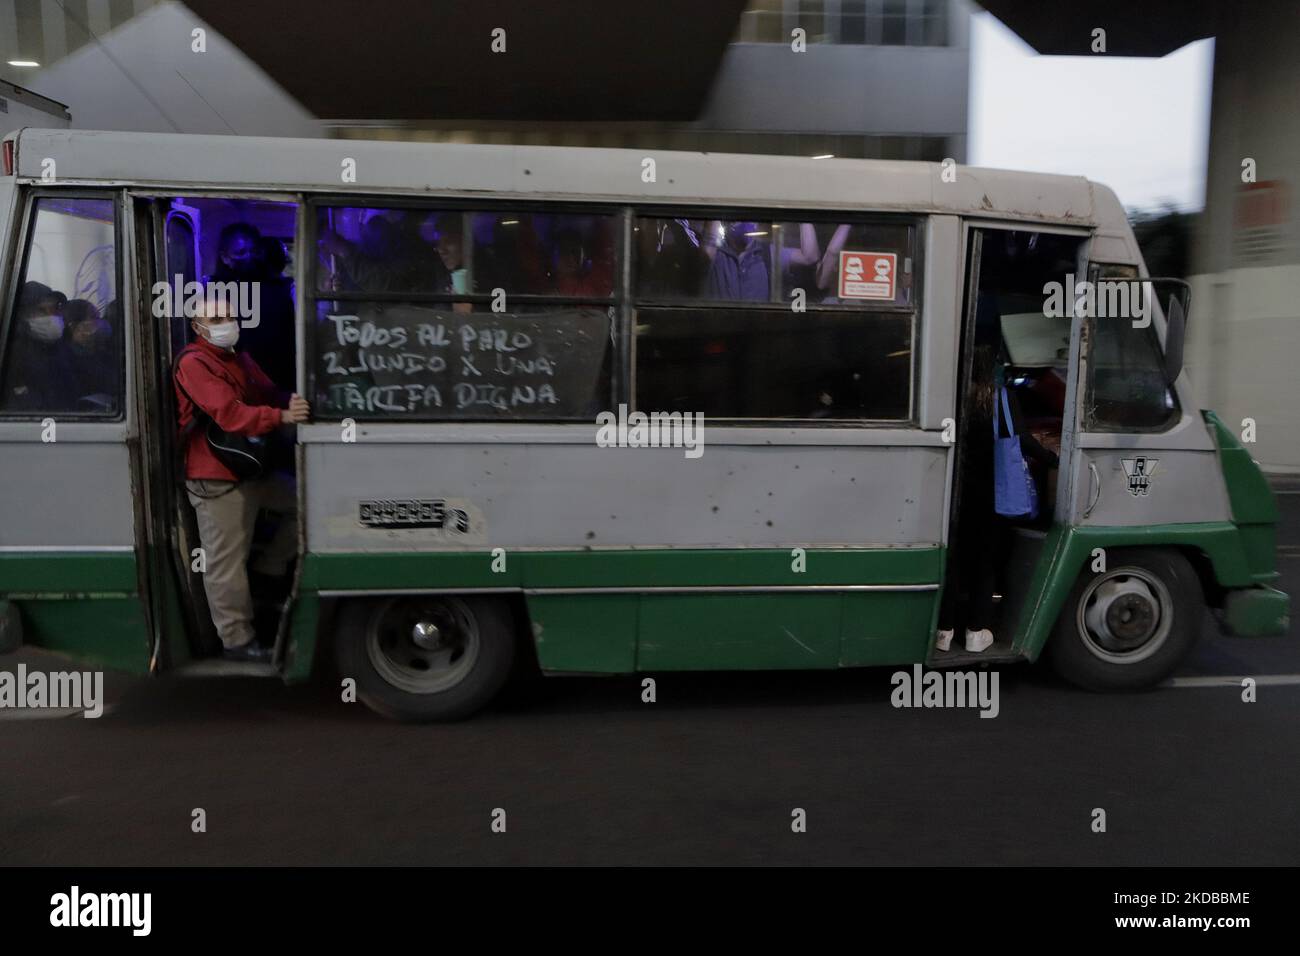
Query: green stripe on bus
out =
(68, 572)
(104, 632)
(623, 633)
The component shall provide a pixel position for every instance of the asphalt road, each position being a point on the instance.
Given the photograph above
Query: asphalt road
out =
(710, 774)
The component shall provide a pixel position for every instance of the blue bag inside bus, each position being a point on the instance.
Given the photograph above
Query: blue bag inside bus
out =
(1014, 492)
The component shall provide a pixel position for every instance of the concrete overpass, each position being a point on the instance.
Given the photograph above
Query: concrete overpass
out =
(1244, 339)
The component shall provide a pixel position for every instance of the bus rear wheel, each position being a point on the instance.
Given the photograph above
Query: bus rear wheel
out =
(1128, 627)
(426, 657)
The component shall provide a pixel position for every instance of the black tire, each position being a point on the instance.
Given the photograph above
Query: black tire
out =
(376, 645)
(1130, 626)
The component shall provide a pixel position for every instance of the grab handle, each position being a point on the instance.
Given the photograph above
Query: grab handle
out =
(1094, 489)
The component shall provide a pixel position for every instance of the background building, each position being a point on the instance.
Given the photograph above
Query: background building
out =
(878, 78)
(1244, 337)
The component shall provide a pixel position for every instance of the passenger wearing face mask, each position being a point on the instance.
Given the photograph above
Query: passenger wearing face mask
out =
(245, 255)
(228, 387)
(40, 374)
(239, 257)
(91, 355)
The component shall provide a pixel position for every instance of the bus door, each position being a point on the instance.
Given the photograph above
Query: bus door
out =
(1018, 363)
(72, 575)
(187, 239)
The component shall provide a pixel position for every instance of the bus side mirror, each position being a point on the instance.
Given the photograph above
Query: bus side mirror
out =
(1175, 334)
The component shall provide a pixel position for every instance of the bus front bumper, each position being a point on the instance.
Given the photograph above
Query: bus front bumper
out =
(1256, 612)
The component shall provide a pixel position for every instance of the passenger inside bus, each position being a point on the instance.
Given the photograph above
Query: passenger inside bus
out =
(64, 356)
(733, 260)
(388, 250)
(215, 382)
(91, 354)
(39, 370)
(983, 535)
(235, 364)
(245, 255)
(573, 271)
(449, 239)
(272, 341)
(671, 262)
(1034, 346)
(378, 261)
(1019, 360)
(696, 258)
(738, 262)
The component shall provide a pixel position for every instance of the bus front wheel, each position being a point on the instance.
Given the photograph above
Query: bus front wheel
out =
(1129, 626)
(426, 657)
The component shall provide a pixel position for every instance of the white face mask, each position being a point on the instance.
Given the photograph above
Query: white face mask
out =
(46, 328)
(223, 336)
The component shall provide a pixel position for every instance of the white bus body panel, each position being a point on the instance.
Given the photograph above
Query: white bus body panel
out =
(571, 494)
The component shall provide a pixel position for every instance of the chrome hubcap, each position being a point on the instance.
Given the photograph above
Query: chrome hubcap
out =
(423, 645)
(1125, 615)
(427, 635)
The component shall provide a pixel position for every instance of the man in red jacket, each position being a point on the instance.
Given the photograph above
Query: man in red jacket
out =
(236, 394)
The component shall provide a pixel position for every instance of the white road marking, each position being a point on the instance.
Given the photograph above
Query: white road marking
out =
(47, 713)
(1261, 680)
(37, 713)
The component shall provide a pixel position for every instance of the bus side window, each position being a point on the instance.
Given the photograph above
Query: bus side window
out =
(1127, 391)
(64, 347)
(747, 318)
(705, 259)
(449, 338)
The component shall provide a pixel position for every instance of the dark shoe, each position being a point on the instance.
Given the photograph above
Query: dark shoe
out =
(251, 652)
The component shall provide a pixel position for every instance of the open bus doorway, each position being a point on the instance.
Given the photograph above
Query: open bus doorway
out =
(1015, 381)
(240, 252)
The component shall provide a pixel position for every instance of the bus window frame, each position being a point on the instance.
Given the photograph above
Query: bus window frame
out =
(623, 299)
(918, 222)
(915, 220)
(463, 205)
(311, 295)
(13, 277)
(1091, 424)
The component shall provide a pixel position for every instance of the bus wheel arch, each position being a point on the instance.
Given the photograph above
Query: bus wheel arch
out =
(425, 657)
(1130, 626)
(1211, 590)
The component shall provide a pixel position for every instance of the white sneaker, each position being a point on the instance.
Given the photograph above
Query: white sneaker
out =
(977, 641)
(944, 640)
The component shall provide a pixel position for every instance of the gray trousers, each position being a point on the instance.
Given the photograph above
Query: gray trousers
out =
(226, 519)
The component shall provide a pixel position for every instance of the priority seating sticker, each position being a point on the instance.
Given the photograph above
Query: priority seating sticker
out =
(868, 275)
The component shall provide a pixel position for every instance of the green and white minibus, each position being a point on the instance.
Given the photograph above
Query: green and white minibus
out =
(480, 331)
